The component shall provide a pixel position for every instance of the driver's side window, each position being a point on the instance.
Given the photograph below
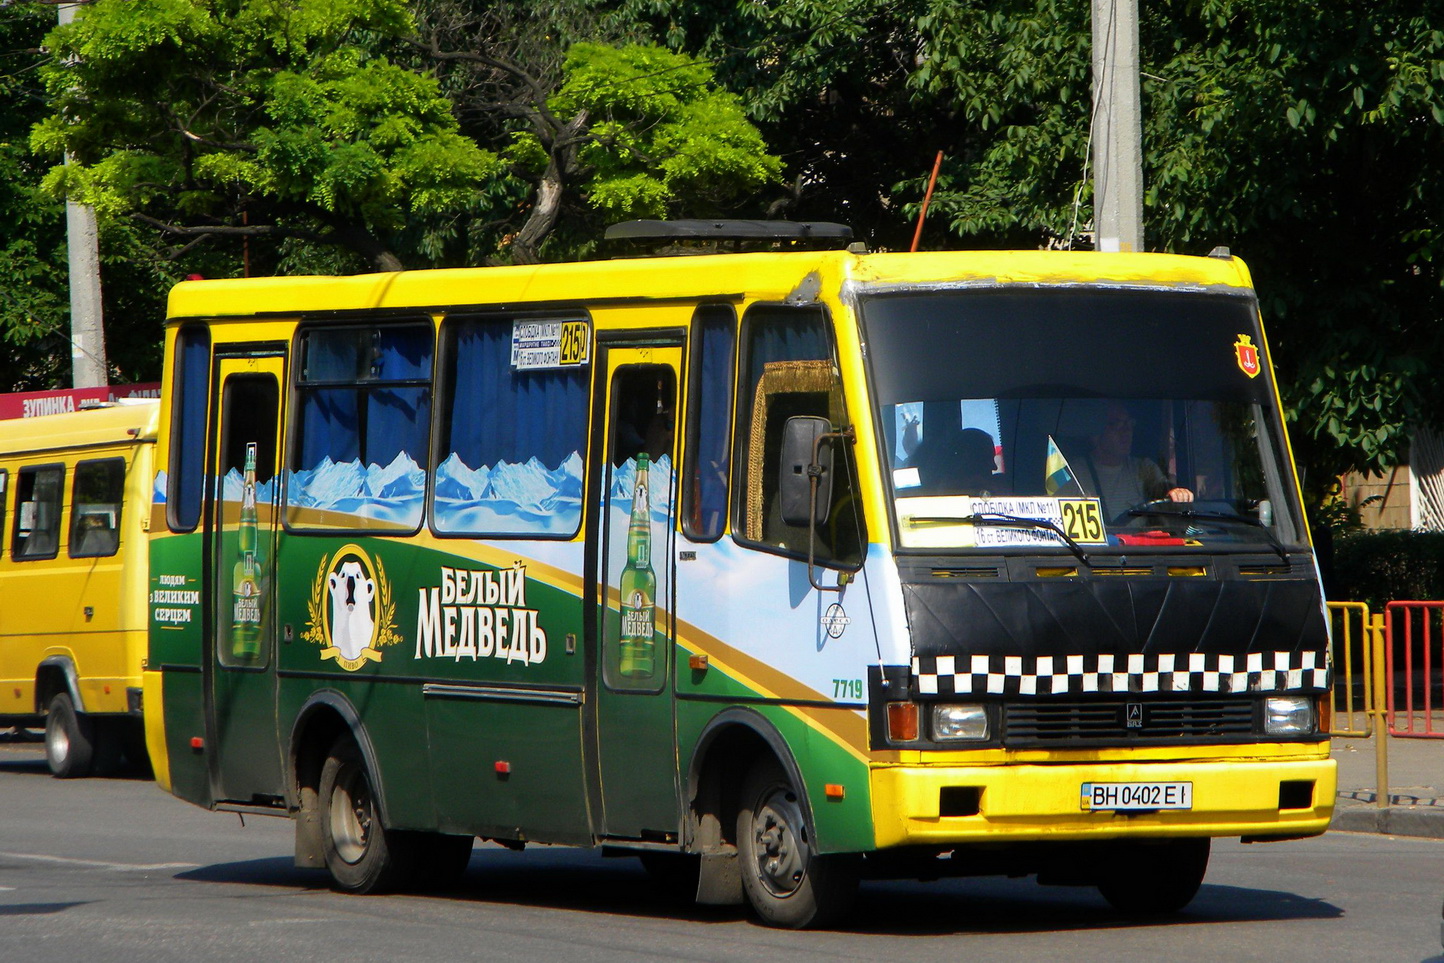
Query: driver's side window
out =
(788, 369)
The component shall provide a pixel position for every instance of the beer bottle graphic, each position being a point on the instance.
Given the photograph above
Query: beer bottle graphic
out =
(246, 577)
(639, 585)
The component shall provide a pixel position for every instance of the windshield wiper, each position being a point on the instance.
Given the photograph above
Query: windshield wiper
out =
(1156, 508)
(1001, 520)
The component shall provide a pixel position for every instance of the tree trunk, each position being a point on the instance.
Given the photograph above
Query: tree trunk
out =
(561, 163)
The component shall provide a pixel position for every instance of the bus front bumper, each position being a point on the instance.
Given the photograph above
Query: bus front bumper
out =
(940, 805)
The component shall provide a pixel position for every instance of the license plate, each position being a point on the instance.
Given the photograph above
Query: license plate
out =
(1135, 796)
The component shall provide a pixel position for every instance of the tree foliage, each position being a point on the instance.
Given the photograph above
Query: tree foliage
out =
(34, 281)
(596, 126)
(1304, 138)
(255, 118)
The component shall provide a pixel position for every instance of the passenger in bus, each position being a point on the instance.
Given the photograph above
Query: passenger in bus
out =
(646, 421)
(1121, 479)
(96, 537)
(954, 460)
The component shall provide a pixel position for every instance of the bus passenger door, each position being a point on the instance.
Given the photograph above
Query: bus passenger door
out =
(241, 517)
(630, 548)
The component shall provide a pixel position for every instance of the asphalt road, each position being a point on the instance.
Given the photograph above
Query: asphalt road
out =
(116, 870)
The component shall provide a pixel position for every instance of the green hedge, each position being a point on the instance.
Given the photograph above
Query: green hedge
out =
(1384, 566)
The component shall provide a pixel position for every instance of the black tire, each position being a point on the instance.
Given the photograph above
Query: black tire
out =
(1158, 879)
(786, 881)
(361, 855)
(69, 739)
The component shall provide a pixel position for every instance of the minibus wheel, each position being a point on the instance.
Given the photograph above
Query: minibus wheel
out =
(360, 854)
(787, 882)
(1154, 879)
(69, 739)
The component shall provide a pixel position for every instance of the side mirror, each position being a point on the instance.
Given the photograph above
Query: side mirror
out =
(800, 445)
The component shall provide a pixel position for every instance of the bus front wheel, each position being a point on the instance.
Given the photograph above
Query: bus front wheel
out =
(360, 854)
(69, 739)
(788, 883)
(1143, 879)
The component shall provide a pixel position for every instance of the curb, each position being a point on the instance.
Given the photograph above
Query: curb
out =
(1391, 821)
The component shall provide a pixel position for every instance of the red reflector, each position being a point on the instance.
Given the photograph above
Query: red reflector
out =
(834, 790)
(197, 742)
(502, 767)
(902, 721)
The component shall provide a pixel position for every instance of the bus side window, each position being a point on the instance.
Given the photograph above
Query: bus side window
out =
(95, 499)
(510, 438)
(189, 390)
(38, 493)
(788, 369)
(709, 421)
(364, 400)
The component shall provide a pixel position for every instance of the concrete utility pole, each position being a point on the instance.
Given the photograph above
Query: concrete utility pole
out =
(87, 331)
(1117, 128)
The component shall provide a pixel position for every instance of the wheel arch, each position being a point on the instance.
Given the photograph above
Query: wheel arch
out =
(729, 745)
(56, 674)
(326, 715)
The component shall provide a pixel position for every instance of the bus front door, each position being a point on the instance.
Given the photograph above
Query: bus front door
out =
(630, 638)
(241, 520)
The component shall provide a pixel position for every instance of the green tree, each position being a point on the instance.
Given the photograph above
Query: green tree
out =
(275, 119)
(34, 291)
(595, 124)
(35, 299)
(1307, 139)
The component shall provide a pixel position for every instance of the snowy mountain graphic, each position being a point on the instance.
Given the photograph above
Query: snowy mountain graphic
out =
(527, 497)
(506, 497)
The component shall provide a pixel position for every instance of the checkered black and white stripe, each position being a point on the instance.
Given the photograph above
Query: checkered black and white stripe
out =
(946, 675)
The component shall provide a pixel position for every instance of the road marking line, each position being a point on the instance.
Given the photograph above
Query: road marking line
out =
(97, 864)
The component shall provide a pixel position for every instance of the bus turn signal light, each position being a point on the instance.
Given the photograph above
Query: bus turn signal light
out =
(902, 721)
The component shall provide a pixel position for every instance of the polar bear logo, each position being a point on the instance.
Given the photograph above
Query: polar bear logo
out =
(352, 624)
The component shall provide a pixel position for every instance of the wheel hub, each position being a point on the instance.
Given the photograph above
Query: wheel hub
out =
(351, 816)
(782, 850)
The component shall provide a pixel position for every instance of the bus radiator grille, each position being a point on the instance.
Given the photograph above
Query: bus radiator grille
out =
(1042, 723)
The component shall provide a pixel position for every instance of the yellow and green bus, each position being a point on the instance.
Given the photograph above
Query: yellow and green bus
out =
(74, 508)
(780, 568)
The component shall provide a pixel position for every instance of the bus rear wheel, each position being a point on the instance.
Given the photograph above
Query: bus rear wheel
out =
(788, 883)
(361, 855)
(69, 739)
(1156, 879)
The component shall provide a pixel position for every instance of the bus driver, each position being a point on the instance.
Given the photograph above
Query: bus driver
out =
(1117, 476)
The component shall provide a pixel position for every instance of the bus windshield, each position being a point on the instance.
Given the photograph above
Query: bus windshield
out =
(1123, 419)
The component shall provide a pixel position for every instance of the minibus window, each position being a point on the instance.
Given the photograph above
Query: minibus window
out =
(190, 388)
(38, 493)
(709, 408)
(510, 440)
(1131, 419)
(788, 370)
(95, 502)
(364, 426)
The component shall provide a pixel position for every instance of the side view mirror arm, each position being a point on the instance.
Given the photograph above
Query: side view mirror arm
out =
(814, 475)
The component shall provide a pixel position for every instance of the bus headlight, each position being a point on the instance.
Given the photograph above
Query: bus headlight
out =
(956, 723)
(1291, 715)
